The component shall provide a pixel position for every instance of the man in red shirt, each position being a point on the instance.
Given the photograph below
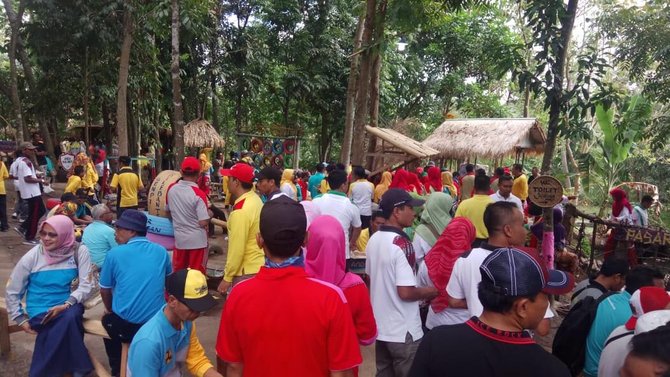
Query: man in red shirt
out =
(281, 322)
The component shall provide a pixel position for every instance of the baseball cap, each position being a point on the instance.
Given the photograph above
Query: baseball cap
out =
(190, 165)
(270, 173)
(241, 171)
(26, 145)
(132, 219)
(283, 225)
(396, 197)
(190, 287)
(645, 300)
(520, 273)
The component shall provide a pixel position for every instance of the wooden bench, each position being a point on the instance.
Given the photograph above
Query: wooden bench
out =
(91, 326)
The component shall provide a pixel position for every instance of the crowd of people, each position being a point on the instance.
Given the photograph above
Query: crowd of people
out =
(451, 284)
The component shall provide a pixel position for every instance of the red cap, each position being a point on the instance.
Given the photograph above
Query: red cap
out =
(190, 165)
(645, 300)
(240, 171)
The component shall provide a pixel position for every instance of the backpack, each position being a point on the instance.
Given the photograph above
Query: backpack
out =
(570, 340)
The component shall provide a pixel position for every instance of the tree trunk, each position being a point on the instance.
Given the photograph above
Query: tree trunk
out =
(158, 155)
(557, 100)
(564, 166)
(87, 122)
(345, 153)
(107, 126)
(178, 111)
(575, 166)
(21, 133)
(122, 86)
(374, 77)
(361, 112)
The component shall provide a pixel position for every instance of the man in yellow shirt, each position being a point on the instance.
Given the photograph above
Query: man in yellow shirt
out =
(74, 182)
(376, 221)
(473, 208)
(4, 174)
(245, 257)
(126, 184)
(520, 186)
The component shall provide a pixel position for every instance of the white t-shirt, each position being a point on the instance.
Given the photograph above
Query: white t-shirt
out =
(24, 169)
(361, 193)
(511, 198)
(388, 268)
(614, 353)
(339, 206)
(14, 172)
(447, 316)
(464, 283)
(640, 216)
(421, 248)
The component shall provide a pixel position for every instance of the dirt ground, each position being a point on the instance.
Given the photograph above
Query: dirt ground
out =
(18, 362)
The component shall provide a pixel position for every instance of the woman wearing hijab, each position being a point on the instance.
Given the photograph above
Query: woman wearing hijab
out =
(448, 184)
(401, 180)
(287, 186)
(434, 218)
(622, 213)
(383, 186)
(456, 239)
(415, 184)
(434, 180)
(325, 261)
(43, 276)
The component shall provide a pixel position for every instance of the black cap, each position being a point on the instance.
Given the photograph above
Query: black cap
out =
(395, 197)
(190, 287)
(283, 225)
(270, 173)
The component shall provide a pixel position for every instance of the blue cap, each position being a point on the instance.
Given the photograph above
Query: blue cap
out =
(520, 273)
(132, 219)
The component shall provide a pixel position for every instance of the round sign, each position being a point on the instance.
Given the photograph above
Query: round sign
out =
(545, 191)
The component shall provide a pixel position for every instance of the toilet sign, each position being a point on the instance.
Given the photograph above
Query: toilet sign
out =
(545, 191)
(66, 160)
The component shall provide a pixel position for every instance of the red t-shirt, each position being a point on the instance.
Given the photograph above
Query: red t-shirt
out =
(361, 310)
(283, 323)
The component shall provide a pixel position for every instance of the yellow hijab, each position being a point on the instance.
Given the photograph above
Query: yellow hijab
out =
(205, 165)
(448, 182)
(383, 186)
(287, 177)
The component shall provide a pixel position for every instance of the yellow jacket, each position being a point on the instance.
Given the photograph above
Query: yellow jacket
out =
(90, 178)
(244, 255)
(383, 186)
(73, 184)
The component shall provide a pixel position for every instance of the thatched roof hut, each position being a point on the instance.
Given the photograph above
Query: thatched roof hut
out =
(199, 133)
(487, 138)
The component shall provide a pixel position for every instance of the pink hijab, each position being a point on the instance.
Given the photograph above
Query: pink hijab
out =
(324, 259)
(65, 243)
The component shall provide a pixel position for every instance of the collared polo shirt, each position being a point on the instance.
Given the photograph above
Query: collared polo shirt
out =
(159, 349)
(361, 193)
(391, 264)
(99, 239)
(24, 169)
(244, 255)
(520, 187)
(612, 312)
(306, 324)
(473, 209)
(338, 205)
(511, 198)
(130, 183)
(187, 204)
(135, 272)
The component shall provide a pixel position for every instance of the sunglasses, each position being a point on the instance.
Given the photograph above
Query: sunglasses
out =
(44, 234)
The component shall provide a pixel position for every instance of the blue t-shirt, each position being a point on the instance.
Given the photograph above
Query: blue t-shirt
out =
(136, 274)
(158, 346)
(613, 312)
(314, 183)
(99, 239)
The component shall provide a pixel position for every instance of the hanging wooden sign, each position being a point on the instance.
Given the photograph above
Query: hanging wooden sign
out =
(66, 161)
(545, 191)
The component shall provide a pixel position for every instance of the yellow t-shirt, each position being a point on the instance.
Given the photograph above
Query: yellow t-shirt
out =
(90, 178)
(244, 255)
(73, 184)
(325, 187)
(363, 239)
(130, 184)
(473, 210)
(520, 187)
(4, 174)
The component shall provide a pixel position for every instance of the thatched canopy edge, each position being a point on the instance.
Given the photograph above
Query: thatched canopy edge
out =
(402, 142)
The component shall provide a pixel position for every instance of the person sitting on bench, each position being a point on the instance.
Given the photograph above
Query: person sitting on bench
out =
(43, 276)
